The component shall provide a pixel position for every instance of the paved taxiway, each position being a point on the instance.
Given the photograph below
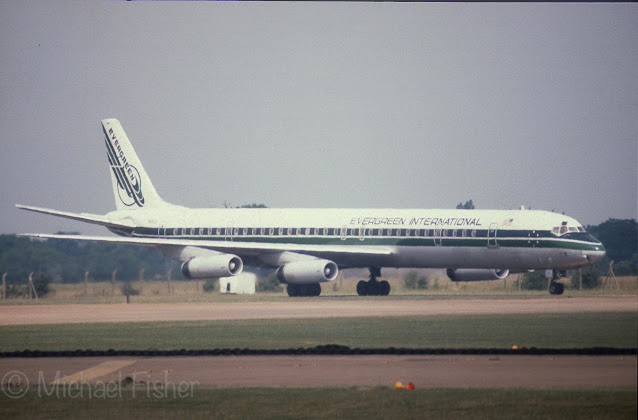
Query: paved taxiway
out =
(424, 371)
(327, 307)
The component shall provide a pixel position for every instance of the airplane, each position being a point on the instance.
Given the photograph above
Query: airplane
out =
(308, 247)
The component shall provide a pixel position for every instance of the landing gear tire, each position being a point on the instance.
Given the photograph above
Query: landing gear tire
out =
(298, 290)
(362, 288)
(556, 288)
(373, 287)
(315, 289)
(384, 288)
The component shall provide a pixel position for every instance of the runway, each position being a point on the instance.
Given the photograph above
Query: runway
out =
(310, 371)
(425, 371)
(328, 307)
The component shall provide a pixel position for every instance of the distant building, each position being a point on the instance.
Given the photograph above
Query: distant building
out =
(241, 284)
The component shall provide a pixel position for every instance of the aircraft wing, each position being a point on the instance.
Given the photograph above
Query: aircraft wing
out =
(239, 248)
(96, 219)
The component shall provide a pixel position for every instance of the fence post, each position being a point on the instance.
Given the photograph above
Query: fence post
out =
(113, 282)
(168, 278)
(4, 286)
(32, 287)
(86, 277)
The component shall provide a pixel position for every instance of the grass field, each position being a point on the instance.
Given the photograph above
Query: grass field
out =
(191, 291)
(376, 403)
(570, 330)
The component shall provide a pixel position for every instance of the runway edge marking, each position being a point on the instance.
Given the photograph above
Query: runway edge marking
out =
(94, 372)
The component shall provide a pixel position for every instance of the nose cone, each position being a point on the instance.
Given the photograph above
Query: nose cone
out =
(596, 254)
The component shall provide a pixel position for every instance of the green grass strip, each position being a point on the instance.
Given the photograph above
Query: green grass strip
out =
(353, 403)
(570, 330)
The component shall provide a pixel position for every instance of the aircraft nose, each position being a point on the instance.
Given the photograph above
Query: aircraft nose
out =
(593, 256)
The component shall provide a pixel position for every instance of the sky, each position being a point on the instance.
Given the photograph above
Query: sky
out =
(354, 105)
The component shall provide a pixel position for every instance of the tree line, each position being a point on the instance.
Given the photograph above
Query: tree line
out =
(66, 261)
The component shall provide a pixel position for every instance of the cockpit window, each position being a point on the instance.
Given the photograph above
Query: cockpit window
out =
(563, 229)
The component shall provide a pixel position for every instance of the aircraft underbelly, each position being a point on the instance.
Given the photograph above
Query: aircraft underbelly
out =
(501, 257)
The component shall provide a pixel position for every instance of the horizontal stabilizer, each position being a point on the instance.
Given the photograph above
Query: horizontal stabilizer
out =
(83, 217)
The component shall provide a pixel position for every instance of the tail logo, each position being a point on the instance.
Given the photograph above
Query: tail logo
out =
(129, 182)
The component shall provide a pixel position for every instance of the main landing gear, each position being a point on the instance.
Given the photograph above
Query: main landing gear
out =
(556, 288)
(373, 287)
(299, 290)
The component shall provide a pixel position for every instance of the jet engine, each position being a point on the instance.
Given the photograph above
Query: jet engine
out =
(307, 272)
(224, 265)
(476, 274)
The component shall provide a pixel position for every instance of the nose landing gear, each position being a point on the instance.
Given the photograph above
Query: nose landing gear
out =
(556, 288)
(373, 287)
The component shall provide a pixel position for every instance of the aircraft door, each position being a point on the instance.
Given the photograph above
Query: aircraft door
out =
(228, 235)
(491, 236)
(438, 234)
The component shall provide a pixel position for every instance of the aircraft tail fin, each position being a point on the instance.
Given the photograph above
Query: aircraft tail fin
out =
(132, 187)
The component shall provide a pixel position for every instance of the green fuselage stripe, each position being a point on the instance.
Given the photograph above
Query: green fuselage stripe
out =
(511, 239)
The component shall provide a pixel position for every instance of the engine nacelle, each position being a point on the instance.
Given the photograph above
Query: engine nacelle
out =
(476, 274)
(306, 272)
(224, 265)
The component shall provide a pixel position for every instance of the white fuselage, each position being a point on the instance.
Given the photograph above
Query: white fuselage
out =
(514, 239)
